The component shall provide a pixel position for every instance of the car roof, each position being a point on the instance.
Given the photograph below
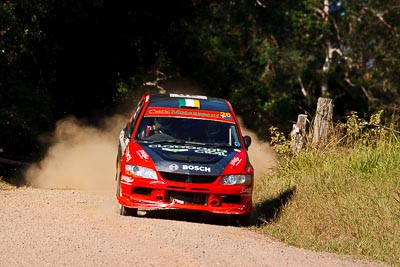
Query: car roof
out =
(175, 101)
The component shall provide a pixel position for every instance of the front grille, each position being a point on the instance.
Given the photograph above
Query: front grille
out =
(209, 159)
(185, 178)
(187, 198)
(142, 191)
(232, 199)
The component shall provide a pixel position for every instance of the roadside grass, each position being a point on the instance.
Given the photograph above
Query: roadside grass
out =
(343, 199)
(4, 185)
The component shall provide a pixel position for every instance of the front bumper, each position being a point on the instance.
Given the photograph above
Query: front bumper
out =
(214, 198)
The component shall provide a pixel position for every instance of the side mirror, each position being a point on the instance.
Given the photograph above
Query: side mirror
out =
(247, 141)
(128, 131)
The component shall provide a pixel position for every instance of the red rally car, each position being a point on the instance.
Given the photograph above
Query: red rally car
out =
(187, 152)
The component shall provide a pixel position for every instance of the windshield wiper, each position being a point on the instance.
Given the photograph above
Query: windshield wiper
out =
(195, 143)
(171, 141)
(221, 145)
(184, 142)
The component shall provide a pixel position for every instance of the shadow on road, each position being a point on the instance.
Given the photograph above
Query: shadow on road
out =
(270, 210)
(188, 216)
(265, 212)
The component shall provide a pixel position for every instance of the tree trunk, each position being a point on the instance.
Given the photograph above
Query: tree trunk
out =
(298, 133)
(328, 57)
(322, 121)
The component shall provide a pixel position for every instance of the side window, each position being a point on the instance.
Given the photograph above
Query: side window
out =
(131, 124)
(234, 136)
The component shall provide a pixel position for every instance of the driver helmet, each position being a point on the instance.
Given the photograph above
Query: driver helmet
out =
(162, 122)
(212, 129)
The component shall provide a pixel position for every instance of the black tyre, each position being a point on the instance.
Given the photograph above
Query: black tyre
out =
(118, 172)
(242, 219)
(118, 163)
(125, 211)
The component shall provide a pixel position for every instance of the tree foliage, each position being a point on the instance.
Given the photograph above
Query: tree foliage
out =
(24, 104)
(272, 59)
(370, 47)
(275, 58)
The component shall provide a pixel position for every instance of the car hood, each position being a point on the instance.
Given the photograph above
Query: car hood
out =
(190, 159)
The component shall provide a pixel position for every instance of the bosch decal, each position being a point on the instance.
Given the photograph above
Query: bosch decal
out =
(196, 168)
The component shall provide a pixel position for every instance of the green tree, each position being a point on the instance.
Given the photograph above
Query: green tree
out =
(24, 105)
(241, 51)
(275, 58)
(369, 50)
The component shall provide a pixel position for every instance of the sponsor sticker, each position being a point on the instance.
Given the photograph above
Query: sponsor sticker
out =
(189, 113)
(188, 96)
(211, 151)
(128, 155)
(196, 149)
(226, 116)
(196, 168)
(175, 150)
(123, 140)
(246, 191)
(173, 167)
(235, 162)
(142, 154)
(126, 179)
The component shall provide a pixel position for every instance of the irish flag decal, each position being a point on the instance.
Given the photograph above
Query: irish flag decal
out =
(191, 103)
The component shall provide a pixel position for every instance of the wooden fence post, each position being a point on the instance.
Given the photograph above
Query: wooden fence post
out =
(298, 133)
(322, 121)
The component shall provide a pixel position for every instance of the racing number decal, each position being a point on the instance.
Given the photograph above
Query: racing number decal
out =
(226, 115)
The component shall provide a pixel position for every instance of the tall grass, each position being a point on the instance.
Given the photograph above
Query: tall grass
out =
(345, 198)
(4, 185)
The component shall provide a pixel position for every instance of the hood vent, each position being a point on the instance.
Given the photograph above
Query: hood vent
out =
(185, 178)
(200, 158)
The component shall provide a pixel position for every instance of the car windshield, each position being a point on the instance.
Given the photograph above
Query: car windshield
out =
(185, 130)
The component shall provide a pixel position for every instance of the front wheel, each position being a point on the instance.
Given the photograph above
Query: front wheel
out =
(118, 163)
(242, 219)
(125, 211)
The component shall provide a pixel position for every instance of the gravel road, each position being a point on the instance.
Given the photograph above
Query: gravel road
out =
(45, 227)
(68, 216)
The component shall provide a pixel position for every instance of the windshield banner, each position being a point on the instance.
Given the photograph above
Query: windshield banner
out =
(189, 113)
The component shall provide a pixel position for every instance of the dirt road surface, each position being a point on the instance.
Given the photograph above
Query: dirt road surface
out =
(68, 216)
(44, 227)
(69, 227)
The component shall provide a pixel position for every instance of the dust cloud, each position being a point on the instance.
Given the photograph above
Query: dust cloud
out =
(262, 156)
(83, 157)
(80, 157)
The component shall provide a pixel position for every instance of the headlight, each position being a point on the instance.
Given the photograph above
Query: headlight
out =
(139, 171)
(236, 179)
